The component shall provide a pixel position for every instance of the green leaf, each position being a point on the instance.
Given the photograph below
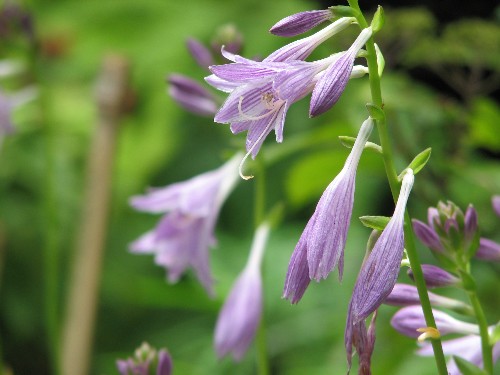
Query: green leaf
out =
(343, 11)
(417, 163)
(378, 20)
(375, 222)
(375, 112)
(349, 143)
(467, 368)
(380, 60)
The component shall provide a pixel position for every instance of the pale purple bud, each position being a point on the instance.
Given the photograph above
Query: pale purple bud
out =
(407, 295)
(433, 216)
(301, 49)
(323, 240)
(488, 250)
(332, 84)
(240, 316)
(300, 22)
(200, 53)
(164, 363)
(495, 201)
(470, 223)
(427, 235)
(184, 234)
(407, 320)
(380, 271)
(190, 95)
(436, 277)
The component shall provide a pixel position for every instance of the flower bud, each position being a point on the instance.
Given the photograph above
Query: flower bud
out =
(200, 53)
(436, 277)
(145, 361)
(488, 250)
(300, 22)
(191, 95)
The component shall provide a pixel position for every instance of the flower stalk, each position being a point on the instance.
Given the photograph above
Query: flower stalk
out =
(376, 94)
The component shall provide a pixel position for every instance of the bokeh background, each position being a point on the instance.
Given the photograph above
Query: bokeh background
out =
(441, 91)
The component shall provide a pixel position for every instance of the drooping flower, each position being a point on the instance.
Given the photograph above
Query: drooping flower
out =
(299, 23)
(262, 92)
(321, 246)
(380, 271)
(240, 316)
(184, 234)
(467, 347)
(409, 319)
(145, 361)
(332, 84)
(191, 95)
(436, 277)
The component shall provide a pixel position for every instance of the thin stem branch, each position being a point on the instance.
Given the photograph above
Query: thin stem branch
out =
(483, 331)
(376, 93)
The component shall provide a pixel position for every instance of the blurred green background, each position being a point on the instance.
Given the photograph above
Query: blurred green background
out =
(441, 91)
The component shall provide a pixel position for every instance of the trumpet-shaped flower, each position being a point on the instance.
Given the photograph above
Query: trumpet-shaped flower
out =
(183, 236)
(321, 246)
(262, 92)
(332, 84)
(300, 22)
(379, 272)
(240, 316)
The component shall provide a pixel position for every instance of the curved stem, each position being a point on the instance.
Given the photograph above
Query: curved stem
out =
(483, 331)
(259, 209)
(390, 169)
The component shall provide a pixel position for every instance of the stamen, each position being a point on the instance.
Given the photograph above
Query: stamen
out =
(428, 333)
(254, 118)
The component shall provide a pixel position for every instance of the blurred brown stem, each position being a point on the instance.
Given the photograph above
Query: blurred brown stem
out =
(77, 335)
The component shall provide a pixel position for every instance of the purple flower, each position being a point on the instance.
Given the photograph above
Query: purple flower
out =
(466, 347)
(183, 236)
(190, 95)
(300, 22)
(261, 93)
(488, 250)
(321, 247)
(200, 53)
(436, 277)
(302, 48)
(379, 272)
(240, 316)
(146, 359)
(407, 295)
(408, 319)
(332, 84)
(495, 201)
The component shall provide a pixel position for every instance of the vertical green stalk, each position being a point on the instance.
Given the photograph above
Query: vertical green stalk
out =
(259, 208)
(483, 330)
(376, 94)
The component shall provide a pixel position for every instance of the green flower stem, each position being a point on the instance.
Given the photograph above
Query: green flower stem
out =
(259, 212)
(376, 94)
(483, 331)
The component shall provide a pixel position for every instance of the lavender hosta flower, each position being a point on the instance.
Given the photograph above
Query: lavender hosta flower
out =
(146, 361)
(302, 48)
(200, 53)
(408, 319)
(436, 277)
(300, 22)
(407, 295)
(184, 234)
(466, 347)
(427, 235)
(488, 250)
(495, 201)
(380, 271)
(240, 316)
(321, 246)
(262, 92)
(190, 95)
(333, 82)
